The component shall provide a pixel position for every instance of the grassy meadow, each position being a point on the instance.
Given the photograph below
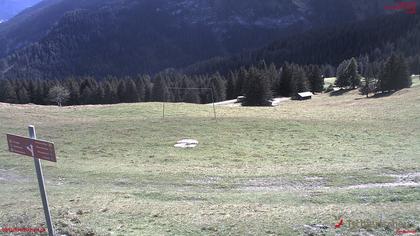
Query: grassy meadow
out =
(256, 171)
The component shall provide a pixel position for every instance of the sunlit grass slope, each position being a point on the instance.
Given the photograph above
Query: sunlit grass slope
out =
(256, 171)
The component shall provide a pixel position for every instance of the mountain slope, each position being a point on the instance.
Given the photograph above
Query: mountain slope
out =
(377, 37)
(34, 23)
(126, 37)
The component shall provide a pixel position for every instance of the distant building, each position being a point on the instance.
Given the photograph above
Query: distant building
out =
(304, 96)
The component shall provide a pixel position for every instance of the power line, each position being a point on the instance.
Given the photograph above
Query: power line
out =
(177, 88)
(190, 88)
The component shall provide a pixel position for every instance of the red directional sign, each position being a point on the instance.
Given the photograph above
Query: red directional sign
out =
(31, 147)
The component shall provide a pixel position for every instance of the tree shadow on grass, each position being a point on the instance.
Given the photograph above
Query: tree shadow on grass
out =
(377, 95)
(383, 94)
(340, 92)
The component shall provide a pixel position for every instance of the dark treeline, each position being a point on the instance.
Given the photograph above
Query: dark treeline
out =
(258, 84)
(112, 90)
(390, 75)
(167, 86)
(261, 83)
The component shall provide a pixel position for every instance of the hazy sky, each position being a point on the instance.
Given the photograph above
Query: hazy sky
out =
(10, 8)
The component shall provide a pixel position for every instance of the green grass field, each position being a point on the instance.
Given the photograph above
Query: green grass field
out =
(256, 171)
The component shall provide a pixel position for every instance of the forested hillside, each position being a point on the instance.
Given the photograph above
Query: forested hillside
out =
(34, 23)
(377, 38)
(60, 38)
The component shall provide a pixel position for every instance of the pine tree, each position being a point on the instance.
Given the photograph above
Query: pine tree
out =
(141, 89)
(394, 75)
(191, 96)
(99, 94)
(88, 91)
(368, 79)
(328, 71)
(74, 92)
(122, 97)
(342, 76)
(240, 82)
(416, 67)
(404, 79)
(352, 73)
(257, 89)
(7, 93)
(39, 93)
(86, 96)
(88, 82)
(273, 76)
(300, 82)
(148, 88)
(160, 92)
(231, 85)
(45, 91)
(131, 92)
(23, 96)
(315, 79)
(285, 83)
(218, 86)
(110, 95)
(347, 74)
(32, 91)
(178, 95)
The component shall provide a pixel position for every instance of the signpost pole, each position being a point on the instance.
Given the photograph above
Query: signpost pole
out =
(38, 168)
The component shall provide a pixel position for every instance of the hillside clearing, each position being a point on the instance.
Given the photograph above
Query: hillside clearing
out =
(257, 171)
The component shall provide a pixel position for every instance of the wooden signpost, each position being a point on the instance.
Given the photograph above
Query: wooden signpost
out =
(39, 150)
(29, 147)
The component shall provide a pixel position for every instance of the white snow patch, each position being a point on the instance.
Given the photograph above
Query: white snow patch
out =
(402, 180)
(278, 101)
(384, 185)
(186, 143)
(236, 103)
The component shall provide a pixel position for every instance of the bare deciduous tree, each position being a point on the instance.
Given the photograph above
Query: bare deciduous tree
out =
(58, 94)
